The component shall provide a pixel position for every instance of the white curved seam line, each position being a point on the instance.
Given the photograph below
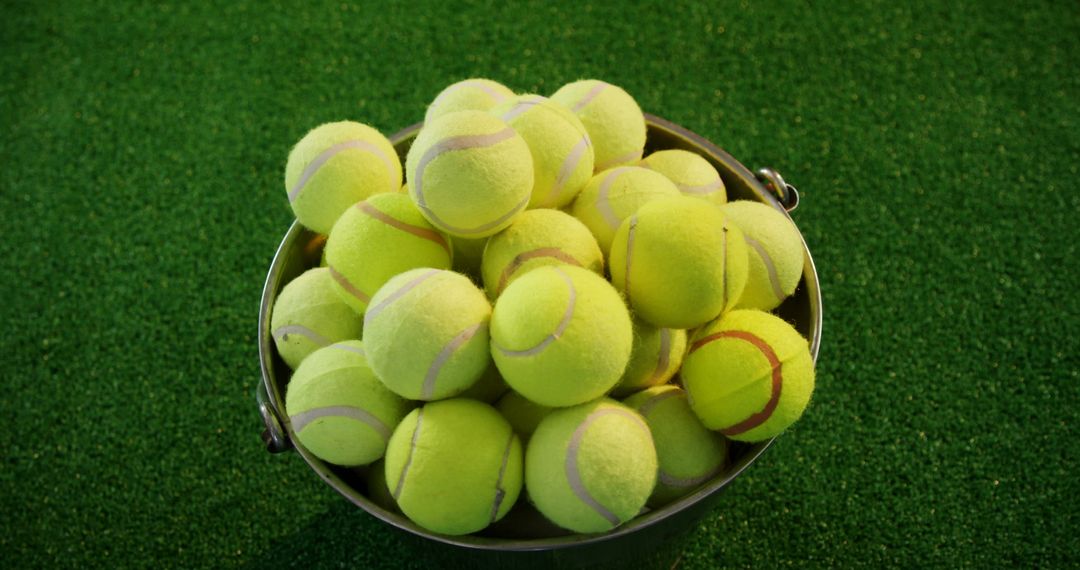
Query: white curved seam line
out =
(408, 459)
(498, 97)
(568, 315)
(282, 334)
(569, 165)
(700, 189)
(329, 153)
(427, 391)
(631, 156)
(347, 348)
(629, 254)
(520, 108)
(301, 420)
(374, 311)
(664, 360)
(500, 492)
(573, 475)
(770, 267)
(654, 401)
(602, 204)
(592, 94)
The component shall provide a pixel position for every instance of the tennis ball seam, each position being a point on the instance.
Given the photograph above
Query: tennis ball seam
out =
(568, 316)
(427, 390)
(695, 189)
(500, 492)
(282, 334)
(770, 266)
(348, 286)
(630, 231)
(325, 156)
(521, 258)
(757, 418)
(573, 475)
(347, 348)
(422, 233)
(463, 142)
(569, 165)
(408, 459)
(468, 83)
(372, 312)
(664, 359)
(305, 418)
(603, 205)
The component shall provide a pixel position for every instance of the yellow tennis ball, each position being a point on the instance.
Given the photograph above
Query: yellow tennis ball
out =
(335, 166)
(561, 335)
(378, 239)
(775, 254)
(591, 467)
(537, 238)
(655, 357)
(468, 95)
(680, 262)
(523, 414)
(338, 409)
(561, 151)
(426, 334)
(613, 119)
(454, 466)
(691, 173)
(469, 173)
(689, 453)
(749, 375)
(614, 195)
(308, 315)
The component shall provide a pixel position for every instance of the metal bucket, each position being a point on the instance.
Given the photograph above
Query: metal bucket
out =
(523, 539)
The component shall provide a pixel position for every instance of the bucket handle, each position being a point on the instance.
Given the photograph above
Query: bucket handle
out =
(785, 193)
(273, 435)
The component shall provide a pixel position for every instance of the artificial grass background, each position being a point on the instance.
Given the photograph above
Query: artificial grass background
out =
(936, 145)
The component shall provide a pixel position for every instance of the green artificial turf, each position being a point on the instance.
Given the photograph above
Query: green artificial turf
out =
(936, 146)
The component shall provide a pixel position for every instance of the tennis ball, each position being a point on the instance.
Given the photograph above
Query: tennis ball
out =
(561, 152)
(469, 173)
(538, 238)
(468, 95)
(655, 357)
(338, 409)
(691, 173)
(378, 239)
(454, 466)
(748, 374)
(308, 315)
(689, 453)
(426, 333)
(489, 388)
(467, 255)
(523, 414)
(591, 467)
(679, 261)
(613, 119)
(775, 254)
(614, 195)
(335, 166)
(561, 335)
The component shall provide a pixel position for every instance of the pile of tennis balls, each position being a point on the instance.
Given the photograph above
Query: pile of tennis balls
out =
(540, 313)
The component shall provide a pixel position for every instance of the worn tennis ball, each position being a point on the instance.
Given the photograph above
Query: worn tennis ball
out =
(691, 173)
(775, 254)
(680, 262)
(561, 335)
(335, 166)
(655, 357)
(537, 238)
(614, 195)
(454, 466)
(377, 239)
(489, 388)
(561, 151)
(308, 314)
(468, 95)
(338, 409)
(523, 414)
(613, 119)
(426, 333)
(748, 374)
(469, 173)
(689, 454)
(591, 467)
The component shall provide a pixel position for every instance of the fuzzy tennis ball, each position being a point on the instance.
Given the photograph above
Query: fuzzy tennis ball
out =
(426, 333)
(749, 375)
(775, 254)
(613, 119)
(378, 239)
(590, 468)
(561, 151)
(655, 357)
(680, 262)
(523, 414)
(489, 388)
(689, 453)
(538, 238)
(335, 166)
(454, 466)
(469, 173)
(308, 315)
(691, 173)
(561, 335)
(338, 409)
(614, 195)
(468, 95)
